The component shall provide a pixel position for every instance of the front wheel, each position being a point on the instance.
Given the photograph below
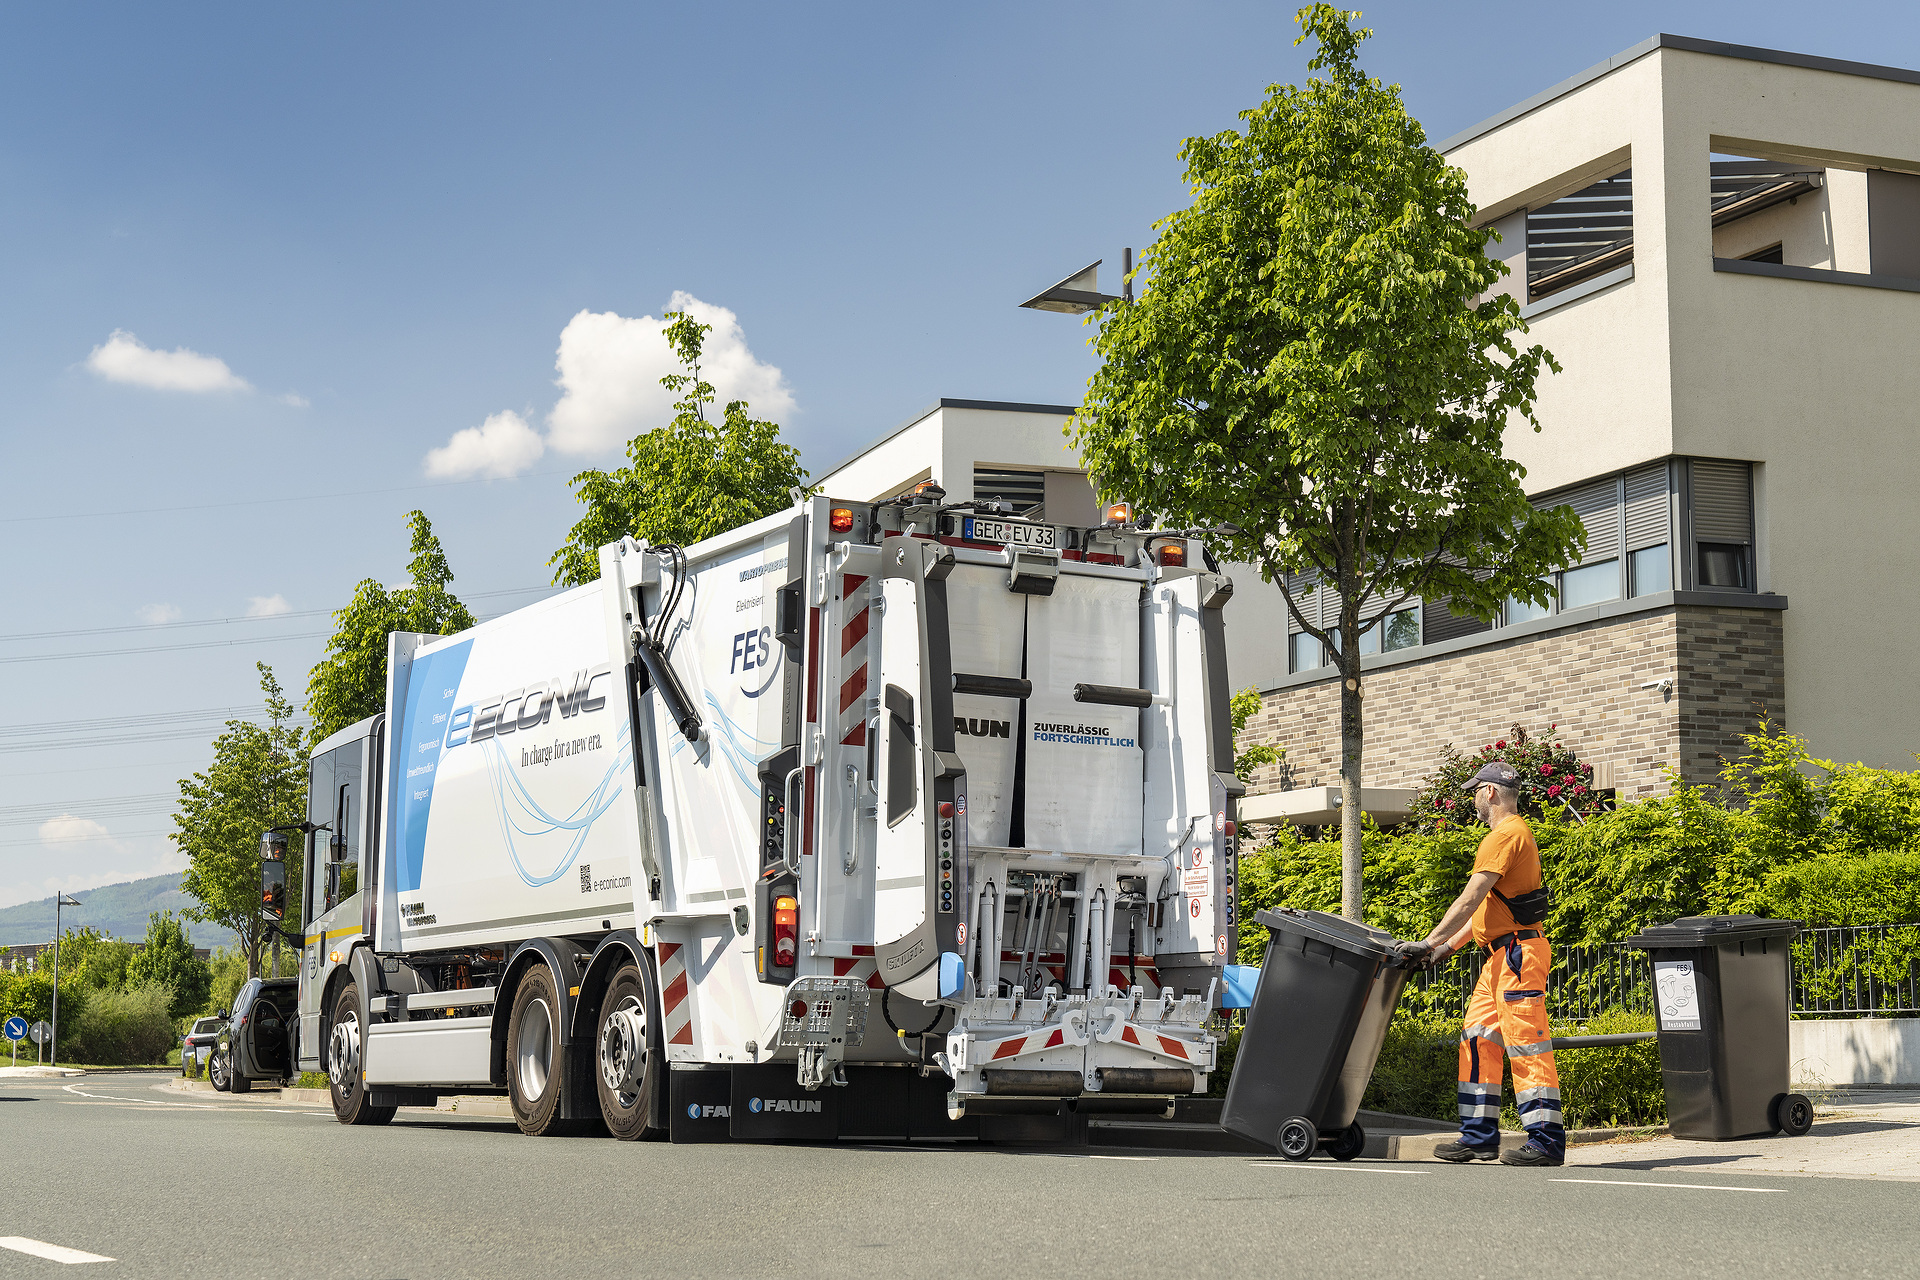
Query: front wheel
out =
(1298, 1139)
(346, 1073)
(217, 1072)
(1792, 1114)
(628, 1064)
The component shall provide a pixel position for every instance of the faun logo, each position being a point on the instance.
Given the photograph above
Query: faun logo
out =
(968, 727)
(802, 1105)
(529, 708)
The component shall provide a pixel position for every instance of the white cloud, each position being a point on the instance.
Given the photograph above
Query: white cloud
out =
(124, 358)
(155, 614)
(66, 829)
(610, 370)
(267, 606)
(297, 400)
(504, 445)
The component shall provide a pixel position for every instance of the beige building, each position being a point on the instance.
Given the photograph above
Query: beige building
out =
(1721, 246)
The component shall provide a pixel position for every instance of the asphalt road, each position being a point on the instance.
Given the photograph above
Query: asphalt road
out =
(166, 1184)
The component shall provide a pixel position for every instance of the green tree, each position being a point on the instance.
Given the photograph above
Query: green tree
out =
(688, 480)
(350, 682)
(167, 959)
(97, 960)
(1317, 367)
(257, 780)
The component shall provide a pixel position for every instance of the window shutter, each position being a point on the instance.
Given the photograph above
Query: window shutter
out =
(1438, 623)
(1306, 594)
(1722, 501)
(1598, 507)
(1648, 507)
(1022, 490)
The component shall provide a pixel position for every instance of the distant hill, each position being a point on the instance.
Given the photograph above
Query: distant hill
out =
(117, 909)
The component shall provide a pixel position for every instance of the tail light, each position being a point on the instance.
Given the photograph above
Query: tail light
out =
(841, 521)
(786, 931)
(777, 898)
(1172, 555)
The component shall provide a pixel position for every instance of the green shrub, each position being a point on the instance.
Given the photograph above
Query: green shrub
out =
(125, 1027)
(1418, 1071)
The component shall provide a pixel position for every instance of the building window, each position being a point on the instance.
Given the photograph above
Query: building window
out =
(1772, 253)
(1305, 652)
(1580, 236)
(1402, 630)
(1651, 570)
(1724, 566)
(1590, 584)
(1518, 610)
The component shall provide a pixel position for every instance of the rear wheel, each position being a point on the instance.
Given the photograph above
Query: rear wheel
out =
(1351, 1142)
(536, 1059)
(236, 1083)
(1792, 1114)
(627, 1064)
(346, 1074)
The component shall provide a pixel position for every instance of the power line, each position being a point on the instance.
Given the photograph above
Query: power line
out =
(130, 835)
(261, 502)
(218, 622)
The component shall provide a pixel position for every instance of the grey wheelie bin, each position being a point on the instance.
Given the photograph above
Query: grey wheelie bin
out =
(1326, 993)
(1720, 995)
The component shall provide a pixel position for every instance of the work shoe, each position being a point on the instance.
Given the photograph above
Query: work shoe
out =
(1460, 1152)
(1531, 1155)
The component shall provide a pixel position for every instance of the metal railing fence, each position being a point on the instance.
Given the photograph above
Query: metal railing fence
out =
(1854, 971)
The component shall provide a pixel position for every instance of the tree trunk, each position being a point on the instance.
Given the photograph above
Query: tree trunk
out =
(1350, 814)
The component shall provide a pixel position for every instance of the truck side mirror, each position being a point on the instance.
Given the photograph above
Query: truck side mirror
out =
(273, 874)
(273, 890)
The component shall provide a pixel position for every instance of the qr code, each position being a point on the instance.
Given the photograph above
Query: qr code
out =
(586, 878)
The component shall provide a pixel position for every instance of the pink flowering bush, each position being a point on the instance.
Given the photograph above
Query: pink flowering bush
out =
(1552, 779)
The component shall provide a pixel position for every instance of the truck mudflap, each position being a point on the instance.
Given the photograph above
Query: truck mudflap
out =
(1074, 1046)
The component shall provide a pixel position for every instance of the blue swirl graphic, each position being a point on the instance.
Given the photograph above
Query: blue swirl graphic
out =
(521, 814)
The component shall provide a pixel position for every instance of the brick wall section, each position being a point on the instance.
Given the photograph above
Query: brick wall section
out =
(1733, 667)
(1586, 679)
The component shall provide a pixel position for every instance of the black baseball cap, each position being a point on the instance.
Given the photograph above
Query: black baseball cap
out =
(1495, 771)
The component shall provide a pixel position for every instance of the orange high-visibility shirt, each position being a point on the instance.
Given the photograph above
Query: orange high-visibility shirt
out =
(1509, 851)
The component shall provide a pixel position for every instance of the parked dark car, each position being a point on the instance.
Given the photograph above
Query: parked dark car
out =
(257, 1042)
(203, 1034)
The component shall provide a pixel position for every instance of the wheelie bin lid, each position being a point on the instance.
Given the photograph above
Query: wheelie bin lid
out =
(1335, 931)
(1711, 931)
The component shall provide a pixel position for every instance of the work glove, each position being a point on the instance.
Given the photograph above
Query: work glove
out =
(1414, 955)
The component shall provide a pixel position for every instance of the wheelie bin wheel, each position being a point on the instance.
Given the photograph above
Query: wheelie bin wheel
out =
(1792, 1114)
(1298, 1139)
(1351, 1142)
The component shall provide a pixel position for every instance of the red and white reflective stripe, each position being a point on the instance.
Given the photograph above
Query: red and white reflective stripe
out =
(676, 1017)
(992, 1051)
(860, 964)
(855, 595)
(1165, 1046)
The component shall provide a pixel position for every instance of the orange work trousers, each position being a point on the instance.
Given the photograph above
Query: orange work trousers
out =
(1508, 1016)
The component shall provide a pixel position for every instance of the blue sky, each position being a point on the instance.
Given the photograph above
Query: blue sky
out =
(376, 227)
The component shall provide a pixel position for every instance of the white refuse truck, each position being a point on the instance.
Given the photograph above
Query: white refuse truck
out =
(873, 820)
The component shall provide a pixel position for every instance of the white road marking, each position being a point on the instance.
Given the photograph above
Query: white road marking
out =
(51, 1252)
(1685, 1186)
(1123, 1157)
(1331, 1168)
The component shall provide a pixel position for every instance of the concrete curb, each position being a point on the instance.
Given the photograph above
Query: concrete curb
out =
(38, 1073)
(492, 1108)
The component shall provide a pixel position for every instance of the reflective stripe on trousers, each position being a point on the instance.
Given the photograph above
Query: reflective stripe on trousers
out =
(1508, 1015)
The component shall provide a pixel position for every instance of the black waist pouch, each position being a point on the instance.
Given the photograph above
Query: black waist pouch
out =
(1528, 908)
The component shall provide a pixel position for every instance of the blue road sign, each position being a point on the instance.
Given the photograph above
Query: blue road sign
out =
(16, 1028)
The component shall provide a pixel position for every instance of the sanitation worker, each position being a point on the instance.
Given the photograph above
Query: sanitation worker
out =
(1501, 908)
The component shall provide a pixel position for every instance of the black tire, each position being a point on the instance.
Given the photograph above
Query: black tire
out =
(346, 1077)
(217, 1073)
(1351, 1142)
(237, 1083)
(538, 1066)
(1298, 1140)
(1792, 1114)
(629, 1062)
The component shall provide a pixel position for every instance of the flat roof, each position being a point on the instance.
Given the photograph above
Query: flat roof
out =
(998, 406)
(1839, 66)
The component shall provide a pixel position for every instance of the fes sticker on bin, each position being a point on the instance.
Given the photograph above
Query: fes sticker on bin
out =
(1673, 982)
